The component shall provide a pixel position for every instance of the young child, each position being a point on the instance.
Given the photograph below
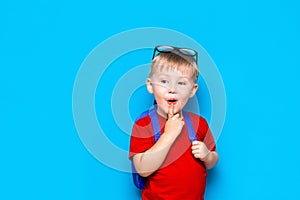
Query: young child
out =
(175, 166)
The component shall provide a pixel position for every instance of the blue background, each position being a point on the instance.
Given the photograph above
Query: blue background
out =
(255, 45)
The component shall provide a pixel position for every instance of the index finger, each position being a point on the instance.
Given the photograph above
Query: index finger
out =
(195, 142)
(171, 111)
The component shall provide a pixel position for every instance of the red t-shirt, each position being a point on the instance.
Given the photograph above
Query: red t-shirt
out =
(181, 176)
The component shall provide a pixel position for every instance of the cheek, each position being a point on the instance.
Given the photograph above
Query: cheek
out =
(159, 91)
(158, 96)
(185, 97)
(185, 94)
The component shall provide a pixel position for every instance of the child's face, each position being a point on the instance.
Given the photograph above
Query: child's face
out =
(171, 88)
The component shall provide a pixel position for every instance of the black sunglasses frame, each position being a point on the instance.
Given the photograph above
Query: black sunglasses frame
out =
(176, 50)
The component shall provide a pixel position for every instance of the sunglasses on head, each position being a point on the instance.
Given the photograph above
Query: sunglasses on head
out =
(176, 50)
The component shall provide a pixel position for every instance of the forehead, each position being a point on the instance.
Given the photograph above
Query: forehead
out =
(177, 71)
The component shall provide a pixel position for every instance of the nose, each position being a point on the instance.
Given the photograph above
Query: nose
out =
(172, 90)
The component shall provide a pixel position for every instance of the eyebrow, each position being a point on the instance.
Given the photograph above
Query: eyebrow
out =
(170, 76)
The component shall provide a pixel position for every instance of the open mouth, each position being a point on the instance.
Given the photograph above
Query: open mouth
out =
(172, 101)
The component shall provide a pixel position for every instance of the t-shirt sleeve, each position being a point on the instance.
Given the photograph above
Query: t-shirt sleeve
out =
(141, 137)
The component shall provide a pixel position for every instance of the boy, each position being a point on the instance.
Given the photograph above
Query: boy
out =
(175, 166)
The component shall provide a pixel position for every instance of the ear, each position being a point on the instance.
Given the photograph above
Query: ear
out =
(194, 90)
(149, 86)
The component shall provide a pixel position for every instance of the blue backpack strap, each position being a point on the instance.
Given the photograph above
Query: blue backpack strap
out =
(144, 114)
(155, 123)
(191, 130)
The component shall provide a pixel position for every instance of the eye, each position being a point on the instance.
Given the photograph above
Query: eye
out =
(181, 83)
(163, 81)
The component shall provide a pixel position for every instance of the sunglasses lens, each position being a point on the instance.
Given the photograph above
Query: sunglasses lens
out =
(189, 52)
(165, 48)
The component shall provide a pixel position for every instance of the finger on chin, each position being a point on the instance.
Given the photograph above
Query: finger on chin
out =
(171, 111)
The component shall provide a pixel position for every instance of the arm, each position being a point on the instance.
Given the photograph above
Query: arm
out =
(149, 161)
(209, 158)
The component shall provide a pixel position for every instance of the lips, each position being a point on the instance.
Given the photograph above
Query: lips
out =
(172, 101)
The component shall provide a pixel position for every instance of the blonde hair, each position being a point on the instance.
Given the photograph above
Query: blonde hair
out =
(174, 61)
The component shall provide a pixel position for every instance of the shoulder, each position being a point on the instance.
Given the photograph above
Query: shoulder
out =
(143, 119)
(199, 123)
(197, 118)
(142, 127)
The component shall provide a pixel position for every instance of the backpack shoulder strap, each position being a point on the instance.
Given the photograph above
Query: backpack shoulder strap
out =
(144, 114)
(191, 130)
(155, 123)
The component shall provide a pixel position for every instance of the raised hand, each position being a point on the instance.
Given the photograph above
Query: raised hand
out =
(200, 150)
(174, 123)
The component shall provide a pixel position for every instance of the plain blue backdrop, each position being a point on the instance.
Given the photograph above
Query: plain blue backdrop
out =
(255, 45)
